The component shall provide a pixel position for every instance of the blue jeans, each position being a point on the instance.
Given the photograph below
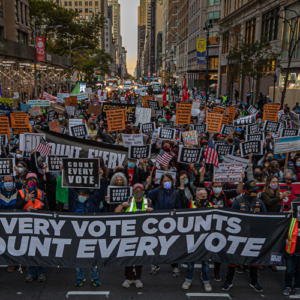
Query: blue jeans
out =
(33, 271)
(190, 272)
(292, 265)
(81, 274)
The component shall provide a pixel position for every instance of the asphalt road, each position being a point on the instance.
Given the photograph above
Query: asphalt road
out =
(60, 284)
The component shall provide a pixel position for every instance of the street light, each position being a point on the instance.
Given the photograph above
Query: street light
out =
(207, 27)
(75, 49)
(34, 38)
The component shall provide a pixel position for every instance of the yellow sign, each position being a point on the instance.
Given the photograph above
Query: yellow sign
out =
(201, 45)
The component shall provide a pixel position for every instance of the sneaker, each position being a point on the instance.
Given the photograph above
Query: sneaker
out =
(257, 287)
(207, 287)
(126, 284)
(41, 278)
(239, 269)
(287, 291)
(10, 269)
(96, 282)
(29, 279)
(186, 285)
(297, 291)
(176, 272)
(80, 282)
(226, 286)
(154, 270)
(217, 276)
(138, 284)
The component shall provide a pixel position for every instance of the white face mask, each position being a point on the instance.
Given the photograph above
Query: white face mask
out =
(217, 190)
(81, 199)
(21, 170)
(19, 156)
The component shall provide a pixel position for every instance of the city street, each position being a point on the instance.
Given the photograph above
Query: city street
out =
(163, 285)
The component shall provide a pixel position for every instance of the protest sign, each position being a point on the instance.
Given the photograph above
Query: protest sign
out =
(189, 137)
(4, 126)
(6, 105)
(142, 115)
(63, 129)
(81, 173)
(30, 141)
(39, 102)
(96, 110)
(147, 127)
(245, 120)
(228, 172)
(254, 147)
(200, 128)
(271, 126)
(196, 104)
(214, 122)
(71, 101)
(159, 173)
(226, 129)
(223, 149)
(255, 137)
(160, 100)
(137, 152)
(88, 91)
(79, 130)
(49, 97)
(25, 107)
(296, 209)
(16, 95)
(116, 119)
(63, 95)
(294, 120)
(166, 133)
(54, 162)
(289, 132)
(270, 112)
(154, 135)
(35, 111)
(286, 144)
(219, 109)
(70, 110)
(252, 129)
(19, 122)
(187, 155)
(54, 126)
(57, 108)
(282, 118)
(7, 166)
(153, 104)
(231, 112)
(235, 159)
(145, 101)
(159, 112)
(75, 122)
(225, 120)
(51, 114)
(132, 139)
(118, 194)
(3, 140)
(252, 110)
(78, 112)
(183, 113)
(129, 110)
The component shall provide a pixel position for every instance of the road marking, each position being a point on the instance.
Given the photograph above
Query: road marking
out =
(281, 268)
(3, 266)
(197, 266)
(208, 295)
(85, 293)
(294, 297)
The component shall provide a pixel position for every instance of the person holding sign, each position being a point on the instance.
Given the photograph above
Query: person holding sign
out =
(136, 203)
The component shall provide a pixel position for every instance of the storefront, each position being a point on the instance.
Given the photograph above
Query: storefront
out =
(293, 80)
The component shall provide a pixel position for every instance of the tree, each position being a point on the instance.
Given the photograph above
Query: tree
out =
(128, 77)
(253, 61)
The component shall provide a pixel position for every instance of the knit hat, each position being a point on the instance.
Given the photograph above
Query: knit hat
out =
(31, 175)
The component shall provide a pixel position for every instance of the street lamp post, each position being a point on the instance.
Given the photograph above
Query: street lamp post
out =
(75, 49)
(275, 80)
(207, 27)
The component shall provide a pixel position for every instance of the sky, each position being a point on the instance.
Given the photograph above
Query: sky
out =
(129, 19)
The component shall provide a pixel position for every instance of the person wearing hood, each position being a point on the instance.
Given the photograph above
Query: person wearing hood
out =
(12, 145)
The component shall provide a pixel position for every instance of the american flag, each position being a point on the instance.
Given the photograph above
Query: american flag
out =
(43, 147)
(163, 158)
(211, 155)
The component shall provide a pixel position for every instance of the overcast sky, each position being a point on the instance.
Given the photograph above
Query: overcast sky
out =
(129, 20)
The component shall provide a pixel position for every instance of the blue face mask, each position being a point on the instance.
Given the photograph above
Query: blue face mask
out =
(259, 122)
(186, 182)
(167, 185)
(60, 119)
(276, 174)
(81, 199)
(298, 164)
(42, 164)
(282, 156)
(131, 165)
(8, 185)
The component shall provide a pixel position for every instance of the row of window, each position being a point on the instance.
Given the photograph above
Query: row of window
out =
(79, 3)
(86, 10)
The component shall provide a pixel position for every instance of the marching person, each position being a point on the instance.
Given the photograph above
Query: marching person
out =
(136, 203)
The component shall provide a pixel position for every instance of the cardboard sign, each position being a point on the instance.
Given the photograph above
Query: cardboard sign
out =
(137, 152)
(35, 111)
(256, 147)
(142, 115)
(245, 120)
(3, 140)
(70, 110)
(148, 127)
(228, 172)
(200, 128)
(223, 149)
(187, 155)
(145, 101)
(214, 122)
(271, 126)
(79, 130)
(132, 140)
(160, 100)
(255, 137)
(189, 137)
(96, 110)
(4, 126)
(166, 133)
(226, 129)
(19, 122)
(7, 167)
(54, 162)
(118, 194)
(225, 120)
(270, 112)
(153, 104)
(219, 109)
(81, 173)
(57, 108)
(183, 113)
(54, 126)
(71, 101)
(116, 119)
(289, 132)
(252, 129)
(129, 110)
(231, 112)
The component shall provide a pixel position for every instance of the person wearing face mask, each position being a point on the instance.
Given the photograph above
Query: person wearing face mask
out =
(92, 127)
(23, 171)
(136, 203)
(255, 173)
(230, 140)
(297, 167)
(20, 158)
(164, 197)
(247, 203)
(12, 145)
(274, 169)
(189, 187)
(63, 121)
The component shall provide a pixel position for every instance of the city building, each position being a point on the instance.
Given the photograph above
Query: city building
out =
(158, 37)
(124, 61)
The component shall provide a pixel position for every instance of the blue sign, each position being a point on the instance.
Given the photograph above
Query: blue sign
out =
(201, 57)
(25, 107)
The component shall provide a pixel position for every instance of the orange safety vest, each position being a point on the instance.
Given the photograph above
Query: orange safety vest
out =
(37, 204)
(292, 237)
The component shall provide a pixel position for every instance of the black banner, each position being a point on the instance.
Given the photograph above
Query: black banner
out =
(153, 104)
(130, 110)
(137, 152)
(187, 155)
(54, 162)
(201, 128)
(289, 132)
(255, 137)
(226, 129)
(7, 166)
(147, 127)
(271, 126)
(81, 172)
(79, 130)
(117, 194)
(166, 133)
(223, 149)
(252, 129)
(103, 240)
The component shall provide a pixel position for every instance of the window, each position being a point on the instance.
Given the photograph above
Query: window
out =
(175, 36)
(17, 7)
(22, 38)
(26, 11)
(225, 42)
(86, 17)
(66, 3)
(96, 10)
(213, 2)
(80, 10)
(214, 38)
(21, 12)
(86, 3)
(213, 63)
(91, 10)
(70, 3)
(76, 3)
(90, 3)
(86, 10)
(250, 31)
(80, 3)
(270, 24)
(176, 23)
(96, 3)
(213, 17)
(76, 9)
(176, 10)
(91, 17)
(80, 17)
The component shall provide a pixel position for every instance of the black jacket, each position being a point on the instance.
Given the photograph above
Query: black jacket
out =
(139, 175)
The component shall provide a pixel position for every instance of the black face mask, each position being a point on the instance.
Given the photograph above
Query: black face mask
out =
(230, 140)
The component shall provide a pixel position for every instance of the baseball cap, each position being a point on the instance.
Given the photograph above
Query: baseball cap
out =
(290, 165)
(137, 185)
(84, 190)
(250, 185)
(31, 175)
